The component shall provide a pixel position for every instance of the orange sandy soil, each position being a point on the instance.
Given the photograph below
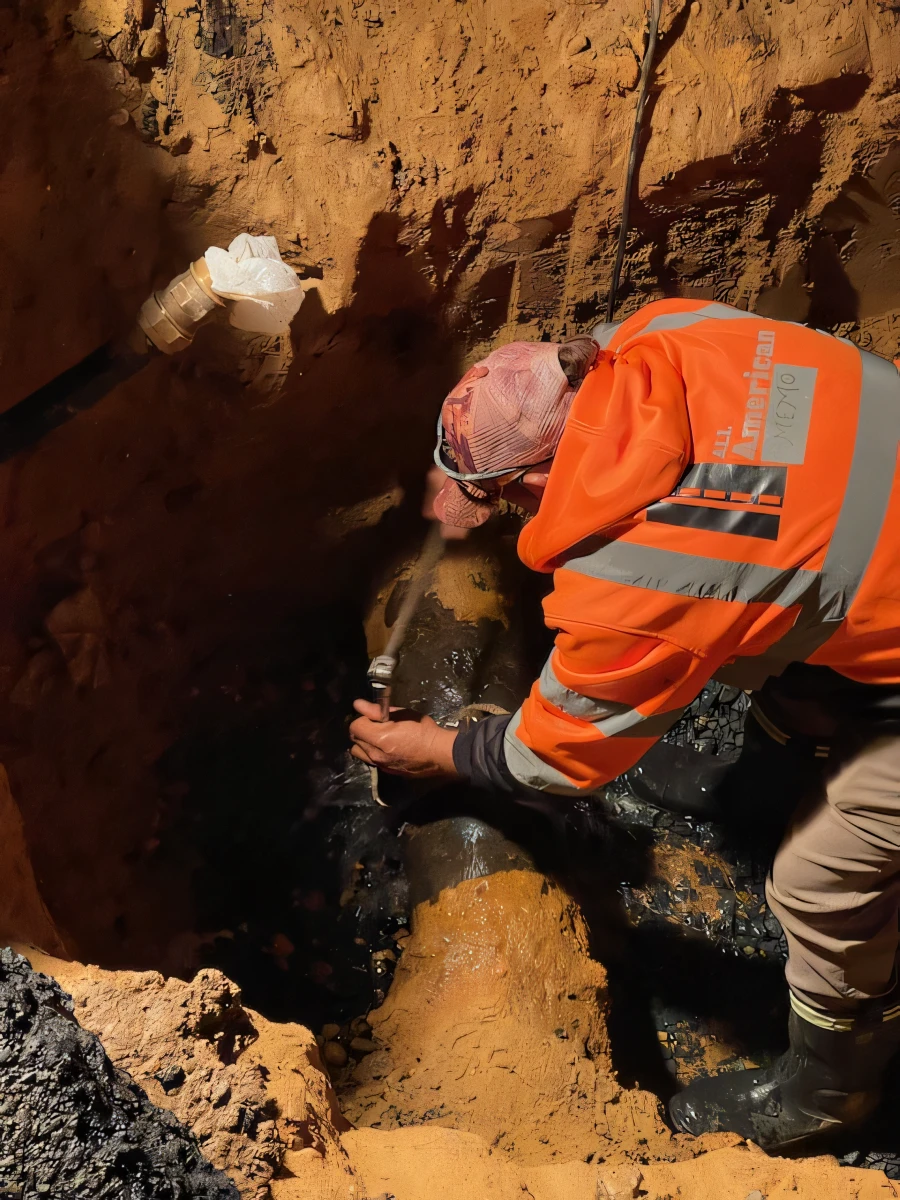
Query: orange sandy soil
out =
(490, 1076)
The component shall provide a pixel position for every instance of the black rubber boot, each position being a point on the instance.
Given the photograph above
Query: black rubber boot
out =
(829, 1081)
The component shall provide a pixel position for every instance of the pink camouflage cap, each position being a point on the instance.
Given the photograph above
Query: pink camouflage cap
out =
(506, 413)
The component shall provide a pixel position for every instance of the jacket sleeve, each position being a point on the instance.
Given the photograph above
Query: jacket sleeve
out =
(601, 702)
(480, 758)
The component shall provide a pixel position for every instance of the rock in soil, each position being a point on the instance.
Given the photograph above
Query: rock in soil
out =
(334, 1054)
(254, 1093)
(72, 1124)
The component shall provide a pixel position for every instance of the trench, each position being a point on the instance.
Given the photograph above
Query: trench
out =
(198, 566)
(304, 889)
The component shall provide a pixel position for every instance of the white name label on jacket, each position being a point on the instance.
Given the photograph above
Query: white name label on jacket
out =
(789, 411)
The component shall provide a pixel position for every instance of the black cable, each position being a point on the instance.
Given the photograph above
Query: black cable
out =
(646, 68)
(73, 392)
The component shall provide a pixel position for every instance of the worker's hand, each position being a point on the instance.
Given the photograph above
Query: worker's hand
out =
(434, 481)
(408, 744)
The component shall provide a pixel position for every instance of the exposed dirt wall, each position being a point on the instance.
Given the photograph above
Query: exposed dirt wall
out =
(442, 175)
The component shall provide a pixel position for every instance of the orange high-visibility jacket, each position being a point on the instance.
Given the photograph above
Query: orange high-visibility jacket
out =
(725, 492)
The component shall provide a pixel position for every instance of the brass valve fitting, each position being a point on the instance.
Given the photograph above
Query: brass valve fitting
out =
(169, 318)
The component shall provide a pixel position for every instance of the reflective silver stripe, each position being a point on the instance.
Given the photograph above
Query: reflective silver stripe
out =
(869, 487)
(863, 509)
(745, 478)
(604, 333)
(681, 320)
(693, 575)
(527, 768)
(574, 703)
(611, 718)
(677, 320)
(843, 1024)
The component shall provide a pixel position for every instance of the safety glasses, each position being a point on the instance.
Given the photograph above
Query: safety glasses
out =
(498, 479)
(495, 488)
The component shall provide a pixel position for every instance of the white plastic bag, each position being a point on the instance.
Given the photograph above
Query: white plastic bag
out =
(265, 291)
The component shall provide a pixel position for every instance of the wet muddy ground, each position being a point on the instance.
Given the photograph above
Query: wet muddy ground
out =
(304, 898)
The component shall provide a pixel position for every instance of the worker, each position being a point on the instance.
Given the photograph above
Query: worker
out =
(717, 496)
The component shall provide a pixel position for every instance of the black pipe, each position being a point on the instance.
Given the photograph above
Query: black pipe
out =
(680, 780)
(444, 853)
(69, 394)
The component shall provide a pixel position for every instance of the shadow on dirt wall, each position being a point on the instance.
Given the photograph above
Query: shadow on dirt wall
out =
(171, 571)
(687, 229)
(204, 587)
(87, 228)
(88, 219)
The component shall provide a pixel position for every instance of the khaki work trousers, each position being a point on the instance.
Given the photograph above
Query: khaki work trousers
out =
(835, 881)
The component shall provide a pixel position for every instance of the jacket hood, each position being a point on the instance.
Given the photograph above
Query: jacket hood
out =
(626, 444)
